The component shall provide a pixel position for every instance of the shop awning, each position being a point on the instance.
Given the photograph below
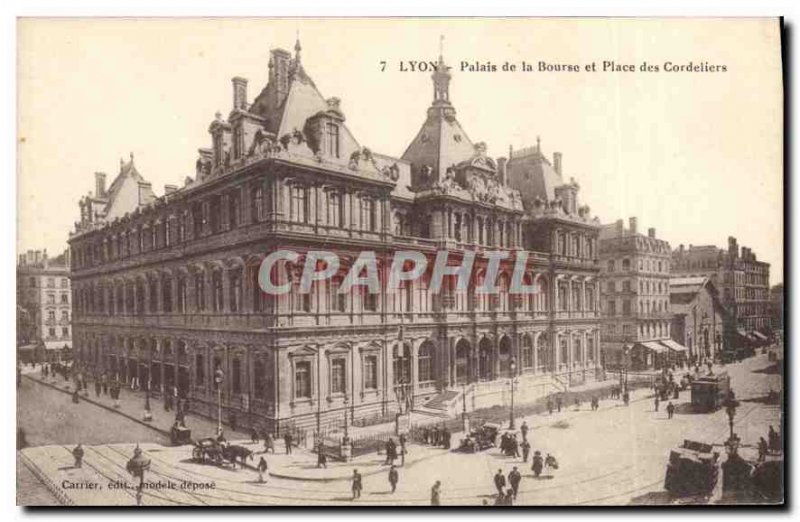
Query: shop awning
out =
(672, 345)
(653, 346)
(759, 335)
(57, 345)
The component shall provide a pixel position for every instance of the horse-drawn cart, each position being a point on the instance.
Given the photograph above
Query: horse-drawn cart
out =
(209, 449)
(479, 439)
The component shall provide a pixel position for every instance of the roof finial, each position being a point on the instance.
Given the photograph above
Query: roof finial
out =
(538, 144)
(297, 48)
(131, 154)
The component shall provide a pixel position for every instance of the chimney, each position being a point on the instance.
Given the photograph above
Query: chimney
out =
(239, 93)
(733, 248)
(99, 184)
(169, 189)
(651, 232)
(144, 188)
(632, 225)
(501, 170)
(279, 73)
(557, 162)
(620, 226)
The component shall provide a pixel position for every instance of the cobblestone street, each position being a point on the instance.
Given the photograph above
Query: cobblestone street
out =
(626, 463)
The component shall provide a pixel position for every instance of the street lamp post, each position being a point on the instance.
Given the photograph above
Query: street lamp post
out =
(136, 466)
(346, 423)
(218, 378)
(513, 367)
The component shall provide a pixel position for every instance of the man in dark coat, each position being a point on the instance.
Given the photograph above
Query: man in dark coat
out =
(391, 451)
(549, 407)
(526, 450)
(558, 403)
(670, 410)
(262, 468)
(500, 482)
(538, 464)
(322, 458)
(356, 484)
(402, 449)
(77, 453)
(445, 438)
(393, 478)
(524, 430)
(287, 440)
(514, 479)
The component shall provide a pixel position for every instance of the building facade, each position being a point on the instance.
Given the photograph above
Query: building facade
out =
(44, 308)
(698, 316)
(743, 282)
(635, 297)
(166, 288)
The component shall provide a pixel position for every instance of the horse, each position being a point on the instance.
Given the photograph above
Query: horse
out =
(232, 452)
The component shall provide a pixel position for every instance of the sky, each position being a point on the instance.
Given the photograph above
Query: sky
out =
(697, 155)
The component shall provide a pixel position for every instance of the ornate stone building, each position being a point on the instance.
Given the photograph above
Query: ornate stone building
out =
(166, 288)
(635, 296)
(743, 282)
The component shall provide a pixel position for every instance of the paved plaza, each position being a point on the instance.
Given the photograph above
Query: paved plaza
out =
(613, 456)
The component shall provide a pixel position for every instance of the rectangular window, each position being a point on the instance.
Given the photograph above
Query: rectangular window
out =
(52, 332)
(338, 376)
(302, 380)
(200, 370)
(370, 372)
(335, 210)
(338, 301)
(65, 332)
(180, 304)
(299, 209)
(216, 291)
(236, 291)
(332, 139)
(200, 291)
(234, 209)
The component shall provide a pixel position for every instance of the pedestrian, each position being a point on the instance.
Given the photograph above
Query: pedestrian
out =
(538, 464)
(626, 397)
(445, 438)
(356, 485)
(287, 440)
(436, 492)
(514, 479)
(549, 407)
(526, 450)
(393, 478)
(232, 420)
(77, 453)
(762, 449)
(435, 436)
(97, 388)
(254, 435)
(550, 463)
(269, 444)
(670, 410)
(656, 401)
(524, 431)
(322, 458)
(262, 468)
(402, 449)
(558, 403)
(391, 452)
(499, 481)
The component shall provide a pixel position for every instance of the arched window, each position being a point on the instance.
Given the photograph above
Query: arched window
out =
(425, 363)
(542, 353)
(527, 351)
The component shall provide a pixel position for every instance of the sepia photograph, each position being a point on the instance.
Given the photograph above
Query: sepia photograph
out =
(400, 262)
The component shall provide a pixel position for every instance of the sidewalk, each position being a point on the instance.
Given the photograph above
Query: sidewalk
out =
(132, 406)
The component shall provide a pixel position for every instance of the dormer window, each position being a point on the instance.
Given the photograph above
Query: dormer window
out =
(332, 139)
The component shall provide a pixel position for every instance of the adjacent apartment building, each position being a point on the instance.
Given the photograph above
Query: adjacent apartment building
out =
(635, 296)
(743, 282)
(44, 325)
(166, 287)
